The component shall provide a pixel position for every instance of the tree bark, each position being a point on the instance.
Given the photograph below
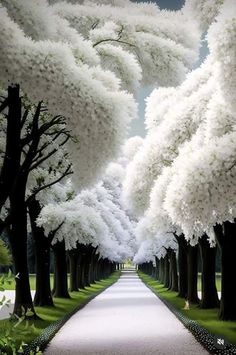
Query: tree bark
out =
(87, 266)
(166, 271)
(174, 274)
(162, 267)
(74, 269)
(192, 261)
(156, 268)
(60, 271)
(12, 156)
(18, 242)
(227, 241)
(209, 291)
(182, 266)
(93, 266)
(43, 295)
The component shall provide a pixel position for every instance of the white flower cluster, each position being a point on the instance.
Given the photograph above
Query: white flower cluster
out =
(48, 71)
(93, 217)
(206, 172)
(202, 190)
(184, 177)
(183, 110)
(222, 38)
(203, 11)
(79, 223)
(157, 39)
(131, 147)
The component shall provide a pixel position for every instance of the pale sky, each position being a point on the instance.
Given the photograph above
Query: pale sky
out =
(137, 126)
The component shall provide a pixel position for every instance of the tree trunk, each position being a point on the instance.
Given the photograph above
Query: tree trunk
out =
(156, 268)
(81, 284)
(182, 266)
(98, 274)
(174, 274)
(43, 295)
(73, 258)
(93, 266)
(227, 241)
(162, 267)
(60, 273)
(11, 162)
(192, 261)
(18, 242)
(87, 265)
(166, 271)
(209, 291)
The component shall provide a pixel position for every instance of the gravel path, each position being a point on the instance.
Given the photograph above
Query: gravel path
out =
(125, 319)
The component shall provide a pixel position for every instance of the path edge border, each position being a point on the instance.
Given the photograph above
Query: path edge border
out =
(201, 334)
(49, 332)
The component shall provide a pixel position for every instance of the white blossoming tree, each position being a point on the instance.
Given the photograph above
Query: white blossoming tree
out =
(207, 189)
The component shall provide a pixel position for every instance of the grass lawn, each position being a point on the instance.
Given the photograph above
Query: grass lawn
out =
(11, 286)
(27, 332)
(208, 318)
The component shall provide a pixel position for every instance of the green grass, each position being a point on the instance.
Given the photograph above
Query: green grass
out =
(51, 314)
(208, 318)
(11, 286)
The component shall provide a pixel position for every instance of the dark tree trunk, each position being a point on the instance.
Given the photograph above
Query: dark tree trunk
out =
(182, 266)
(18, 242)
(43, 295)
(60, 273)
(226, 238)
(12, 156)
(162, 268)
(156, 268)
(192, 260)
(209, 291)
(98, 271)
(81, 284)
(166, 271)
(173, 269)
(87, 266)
(94, 260)
(74, 269)
(153, 271)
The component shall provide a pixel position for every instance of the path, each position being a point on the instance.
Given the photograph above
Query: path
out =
(125, 319)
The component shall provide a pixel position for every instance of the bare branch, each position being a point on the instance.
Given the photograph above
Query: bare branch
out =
(114, 40)
(4, 104)
(67, 172)
(95, 24)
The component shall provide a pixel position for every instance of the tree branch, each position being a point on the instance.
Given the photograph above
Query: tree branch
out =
(114, 40)
(67, 172)
(4, 104)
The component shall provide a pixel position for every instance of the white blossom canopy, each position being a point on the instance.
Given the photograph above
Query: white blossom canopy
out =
(174, 115)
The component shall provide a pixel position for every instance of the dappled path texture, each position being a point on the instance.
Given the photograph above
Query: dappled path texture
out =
(127, 318)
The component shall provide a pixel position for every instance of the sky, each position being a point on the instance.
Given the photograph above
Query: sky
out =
(137, 126)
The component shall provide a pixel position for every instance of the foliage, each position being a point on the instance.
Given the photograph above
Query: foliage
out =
(5, 257)
(9, 345)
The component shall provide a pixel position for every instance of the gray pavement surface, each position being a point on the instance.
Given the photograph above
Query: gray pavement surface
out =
(125, 319)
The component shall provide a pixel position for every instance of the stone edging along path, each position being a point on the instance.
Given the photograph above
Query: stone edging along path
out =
(202, 335)
(48, 333)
